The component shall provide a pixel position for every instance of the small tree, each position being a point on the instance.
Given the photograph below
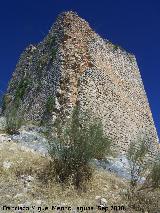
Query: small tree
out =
(13, 121)
(145, 196)
(75, 145)
(154, 176)
(136, 156)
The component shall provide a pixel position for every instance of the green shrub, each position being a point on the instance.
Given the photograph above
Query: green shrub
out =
(50, 104)
(154, 176)
(145, 196)
(13, 122)
(51, 41)
(76, 144)
(51, 44)
(53, 53)
(6, 99)
(136, 156)
(11, 105)
(21, 89)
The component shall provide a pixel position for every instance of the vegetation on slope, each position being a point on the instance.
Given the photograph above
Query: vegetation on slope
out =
(67, 177)
(75, 146)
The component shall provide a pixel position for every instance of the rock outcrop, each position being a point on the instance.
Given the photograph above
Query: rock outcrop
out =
(75, 65)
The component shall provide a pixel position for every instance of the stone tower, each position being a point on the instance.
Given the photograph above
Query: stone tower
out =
(73, 64)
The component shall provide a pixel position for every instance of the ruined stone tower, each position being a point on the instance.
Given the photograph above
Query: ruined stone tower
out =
(73, 64)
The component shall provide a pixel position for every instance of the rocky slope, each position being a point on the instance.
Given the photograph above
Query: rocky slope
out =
(73, 65)
(24, 186)
(27, 185)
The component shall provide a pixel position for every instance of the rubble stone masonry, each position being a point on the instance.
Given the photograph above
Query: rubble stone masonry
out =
(73, 64)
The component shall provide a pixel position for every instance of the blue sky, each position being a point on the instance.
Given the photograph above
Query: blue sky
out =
(134, 25)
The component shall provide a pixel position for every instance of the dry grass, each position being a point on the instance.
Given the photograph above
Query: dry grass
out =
(13, 190)
(146, 200)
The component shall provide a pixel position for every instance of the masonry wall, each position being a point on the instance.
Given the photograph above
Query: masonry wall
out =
(114, 91)
(73, 64)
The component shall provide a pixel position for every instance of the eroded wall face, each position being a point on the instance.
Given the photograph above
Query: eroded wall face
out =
(73, 64)
(114, 91)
